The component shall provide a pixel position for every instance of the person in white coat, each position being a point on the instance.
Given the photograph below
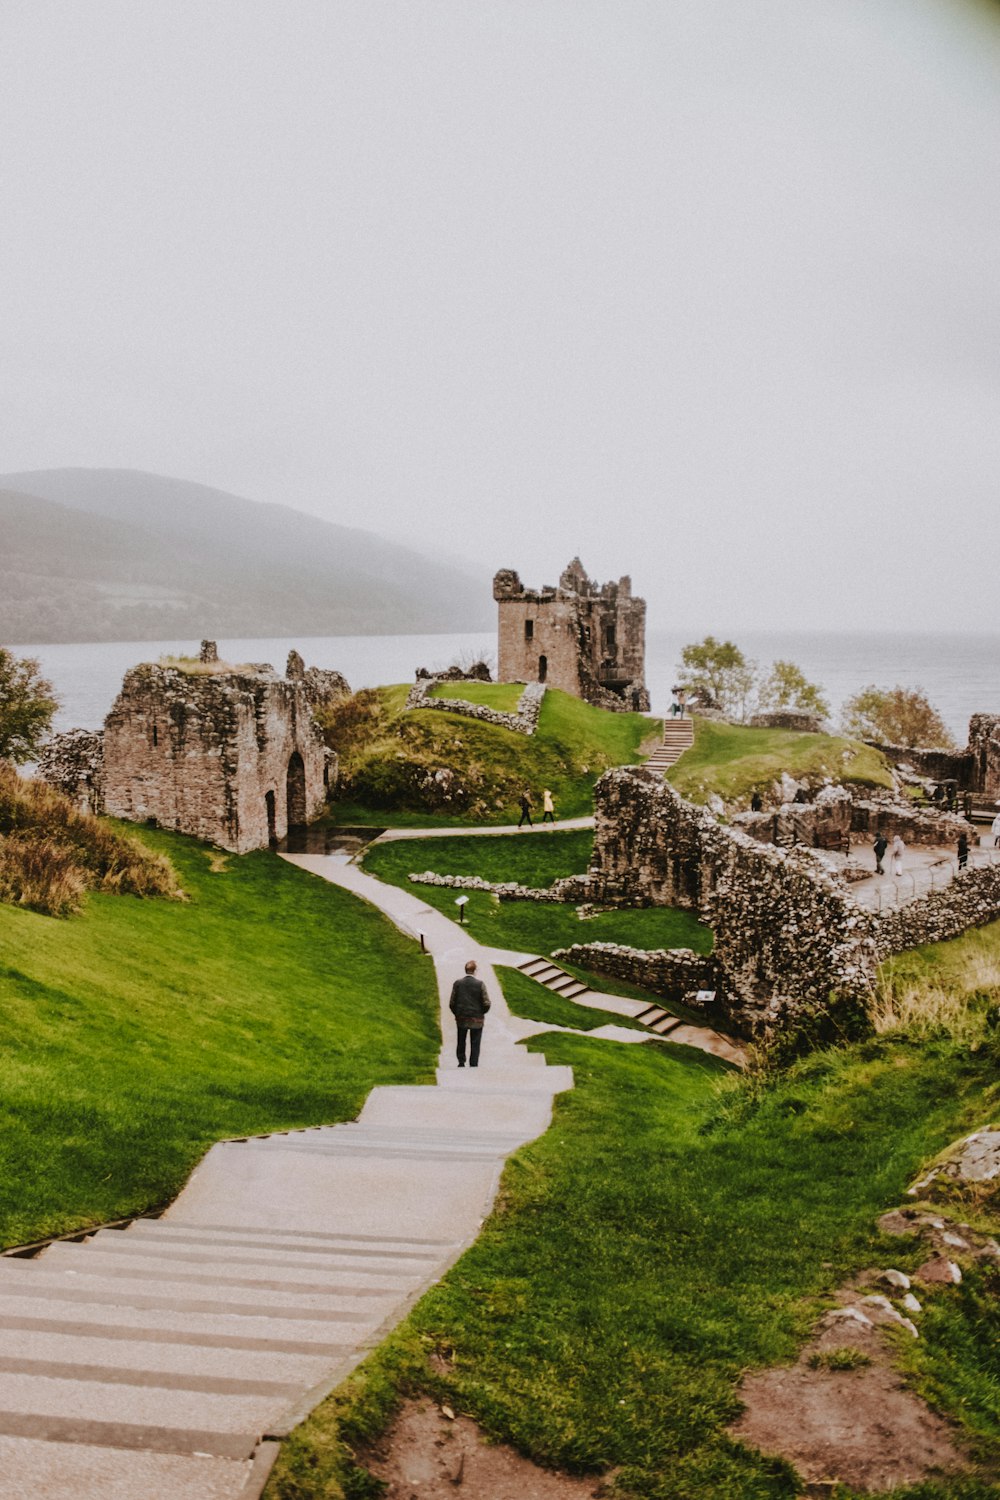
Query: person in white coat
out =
(995, 830)
(898, 850)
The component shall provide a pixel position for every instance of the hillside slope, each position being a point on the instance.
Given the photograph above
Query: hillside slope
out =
(103, 554)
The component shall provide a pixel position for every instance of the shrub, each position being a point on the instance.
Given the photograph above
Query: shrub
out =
(50, 852)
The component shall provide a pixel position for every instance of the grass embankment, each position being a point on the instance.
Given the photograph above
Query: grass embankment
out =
(134, 1035)
(452, 770)
(528, 926)
(734, 761)
(51, 854)
(661, 1238)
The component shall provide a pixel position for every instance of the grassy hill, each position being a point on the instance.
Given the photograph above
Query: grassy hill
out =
(115, 554)
(441, 767)
(733, 761)
(133, 1036)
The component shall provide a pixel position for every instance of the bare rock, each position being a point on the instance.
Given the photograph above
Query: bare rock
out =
(938, 1271)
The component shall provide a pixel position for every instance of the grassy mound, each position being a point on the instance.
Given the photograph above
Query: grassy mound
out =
(529, 926)
(734, 761)
(133, 1037)
(673, 1228)
(503, 696)
(440, 766)
(51, 853)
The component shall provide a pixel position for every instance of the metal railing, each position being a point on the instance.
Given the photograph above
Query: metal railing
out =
(898, 890)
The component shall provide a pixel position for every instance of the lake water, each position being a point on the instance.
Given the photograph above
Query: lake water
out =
(959, 673)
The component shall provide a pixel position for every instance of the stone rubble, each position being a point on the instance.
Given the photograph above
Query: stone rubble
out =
(523, 721)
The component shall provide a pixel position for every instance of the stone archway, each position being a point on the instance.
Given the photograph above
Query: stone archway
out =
(296, 791)
(543, 668)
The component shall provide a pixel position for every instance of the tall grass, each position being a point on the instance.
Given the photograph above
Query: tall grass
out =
(51, 852)
(921, 996)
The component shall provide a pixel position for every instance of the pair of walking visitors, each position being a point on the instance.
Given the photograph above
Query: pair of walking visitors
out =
(548, 809)
(880, 846)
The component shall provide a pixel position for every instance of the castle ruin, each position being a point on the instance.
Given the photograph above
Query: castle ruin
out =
(230, 754)
(586, 638)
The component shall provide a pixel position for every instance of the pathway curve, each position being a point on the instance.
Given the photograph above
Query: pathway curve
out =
(163, 1361)
(391, 835)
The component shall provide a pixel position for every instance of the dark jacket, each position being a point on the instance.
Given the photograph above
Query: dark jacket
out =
(880, 846)
(469, 1001)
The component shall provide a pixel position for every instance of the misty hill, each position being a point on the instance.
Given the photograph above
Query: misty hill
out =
(116, 554)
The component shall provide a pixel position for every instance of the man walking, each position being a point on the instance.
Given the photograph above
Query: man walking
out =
(880, 845)
(468, 1004)
(525, 810)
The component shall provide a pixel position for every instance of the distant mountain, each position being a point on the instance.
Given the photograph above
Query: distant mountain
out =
(116, 554)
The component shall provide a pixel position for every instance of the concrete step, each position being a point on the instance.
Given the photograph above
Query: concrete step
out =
(448, 1109)
(36, 1469)
(576, 988)
(490, 1087)
(294, 1241)
(173, 1330)
(182, 1411)
(144, 1359)
(132, 1286)
(398, 1150)
(664, 1025)
(563, 983)
(173, 1265)
(267, 1260)
(113, 1434)
(290, 1329)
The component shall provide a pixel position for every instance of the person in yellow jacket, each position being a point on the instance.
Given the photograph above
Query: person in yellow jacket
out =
(548, 811)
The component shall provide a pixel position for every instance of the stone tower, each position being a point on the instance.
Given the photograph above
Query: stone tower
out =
(588, 639)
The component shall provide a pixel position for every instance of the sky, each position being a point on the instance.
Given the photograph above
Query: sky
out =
(705, 291)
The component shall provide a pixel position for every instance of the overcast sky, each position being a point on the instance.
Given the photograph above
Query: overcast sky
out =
(707, 291)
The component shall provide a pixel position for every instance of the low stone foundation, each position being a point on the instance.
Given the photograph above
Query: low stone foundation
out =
(675, 973)
(523, 721)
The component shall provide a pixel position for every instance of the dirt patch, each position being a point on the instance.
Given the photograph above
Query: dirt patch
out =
(842, 1413)
(427, 1456)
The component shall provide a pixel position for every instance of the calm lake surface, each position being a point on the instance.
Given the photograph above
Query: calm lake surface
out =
(959, 673)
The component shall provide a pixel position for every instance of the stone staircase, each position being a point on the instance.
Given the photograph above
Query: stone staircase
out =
(168, 1358)
(545, 972)
(678, 736)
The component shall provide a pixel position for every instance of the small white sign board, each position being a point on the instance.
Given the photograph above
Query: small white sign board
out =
(705, 997)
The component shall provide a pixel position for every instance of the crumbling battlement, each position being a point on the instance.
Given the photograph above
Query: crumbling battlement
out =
(586, 638)
(232, 755)
(524, 720)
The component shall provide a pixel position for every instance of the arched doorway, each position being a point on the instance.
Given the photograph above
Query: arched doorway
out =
(296, 788)
(272, 828)
(543, 668)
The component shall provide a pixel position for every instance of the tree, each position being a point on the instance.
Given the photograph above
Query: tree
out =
(896, 716)
(27, 703)
(787, 687)
(719, 671)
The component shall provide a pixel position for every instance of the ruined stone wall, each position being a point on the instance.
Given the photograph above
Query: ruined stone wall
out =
(787, 718)
(523, 721)
(204, 753)
(787, 934)
(934, 765)
(73, 763)
(971, 900)
(585, 638)
(984, 753)
(835, 814)
(675, 973)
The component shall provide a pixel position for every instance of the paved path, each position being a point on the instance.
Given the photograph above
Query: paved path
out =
(158, 1363)
(392, 834)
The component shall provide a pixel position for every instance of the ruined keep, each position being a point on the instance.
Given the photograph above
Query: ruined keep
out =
(586, 638)
(230, 754)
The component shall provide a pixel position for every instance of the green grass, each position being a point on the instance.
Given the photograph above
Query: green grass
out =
(531, 1000)
(535, 859)
(502, 696)
(392, 770)
(528, 926)
(661, 1238)
(134, 1035)
(733, 761)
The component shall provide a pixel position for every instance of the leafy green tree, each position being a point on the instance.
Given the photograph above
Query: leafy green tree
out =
(896, 716)
(27, 703)
(719, 671)
(787, 687)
